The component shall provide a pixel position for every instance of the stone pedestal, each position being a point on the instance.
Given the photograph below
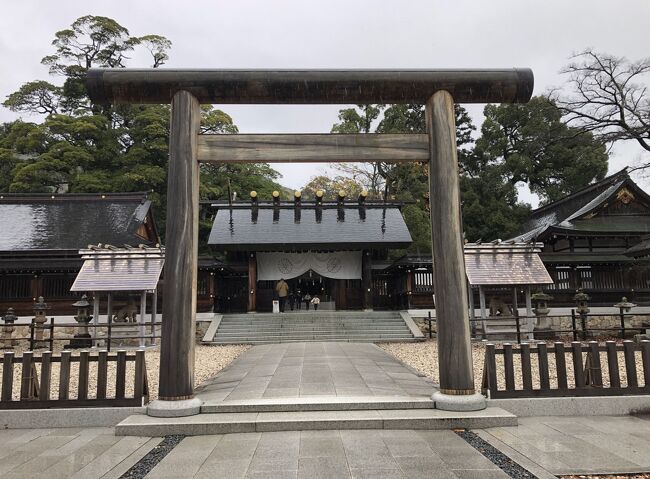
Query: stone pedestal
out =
(81, 341)
(7, 332)
(180, 408)
(459, 402)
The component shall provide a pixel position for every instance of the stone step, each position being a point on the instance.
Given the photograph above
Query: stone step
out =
(307, 323)
(312, 330)
(311, 312)
(317, 403)
(312, 325)
(365, 335)
(408, 339)
(226, 423)
(402, 327)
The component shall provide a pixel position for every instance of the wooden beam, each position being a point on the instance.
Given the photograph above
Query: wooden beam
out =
(313, 148)
(159, 85)
(450, 284)
(181, 252)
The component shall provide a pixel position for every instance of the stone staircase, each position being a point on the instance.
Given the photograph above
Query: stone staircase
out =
(353, 326)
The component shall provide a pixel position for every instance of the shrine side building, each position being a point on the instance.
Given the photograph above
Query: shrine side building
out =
(592, 240)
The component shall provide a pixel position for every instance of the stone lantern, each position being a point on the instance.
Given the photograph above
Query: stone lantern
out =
(82, 338)
(541, 310)
(8, 328)
(581, 298)
(624, 307)
(40, 308)
(582, 308)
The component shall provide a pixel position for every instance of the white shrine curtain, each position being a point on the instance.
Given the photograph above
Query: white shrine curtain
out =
(335, 265)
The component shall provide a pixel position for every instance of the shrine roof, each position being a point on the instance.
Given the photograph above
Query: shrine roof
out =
(327, 227)
(576, 213)
(493, 264)
(119, 269)
(46, 222)
(505, 264)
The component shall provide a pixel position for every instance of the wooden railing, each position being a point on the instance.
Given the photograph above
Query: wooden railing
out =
(34, 394)
(549, 376)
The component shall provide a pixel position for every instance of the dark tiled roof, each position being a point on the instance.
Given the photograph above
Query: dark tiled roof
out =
(349, 227)
(70, 222)
(640, 250)
(568, 213)
(27, 263)
(601, 224)
(584, 258)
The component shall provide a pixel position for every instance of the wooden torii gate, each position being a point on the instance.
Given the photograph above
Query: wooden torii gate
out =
(187, 89)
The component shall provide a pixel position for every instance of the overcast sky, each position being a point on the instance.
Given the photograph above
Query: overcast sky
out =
(343, 34)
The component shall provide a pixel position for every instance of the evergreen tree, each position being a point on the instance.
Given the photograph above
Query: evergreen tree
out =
(83, 147)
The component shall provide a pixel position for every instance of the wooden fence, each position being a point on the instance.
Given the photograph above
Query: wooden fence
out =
(584, 375)
(35, 394)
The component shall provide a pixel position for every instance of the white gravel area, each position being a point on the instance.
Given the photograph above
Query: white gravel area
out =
(209, 360)
(423, 357)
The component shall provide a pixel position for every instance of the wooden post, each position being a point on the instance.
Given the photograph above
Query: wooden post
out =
(95, 318)
(450, 285)
(181, 252)
(530, 321)
(211, 291)
(409, 288)
(154, 315)
(143, 313)
(252, 283)
(109, 318)
(366, 279)
(472, 310)
(481, 299)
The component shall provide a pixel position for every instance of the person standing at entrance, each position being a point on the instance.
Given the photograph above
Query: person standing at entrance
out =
(297, 297)
(282, 288)
(307, 299)
(315, 301)
(292, 299)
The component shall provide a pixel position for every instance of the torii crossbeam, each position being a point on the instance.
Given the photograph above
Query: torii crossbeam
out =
(187, 89)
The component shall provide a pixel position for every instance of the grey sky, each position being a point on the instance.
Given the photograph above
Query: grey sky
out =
(345, 34)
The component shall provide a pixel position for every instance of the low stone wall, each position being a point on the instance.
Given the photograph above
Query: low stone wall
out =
(423, 324)
(564, 323)
(201, 329)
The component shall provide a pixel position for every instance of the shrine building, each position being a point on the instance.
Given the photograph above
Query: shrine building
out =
(336, 250)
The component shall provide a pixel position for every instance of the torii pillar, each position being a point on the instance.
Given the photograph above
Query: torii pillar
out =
(455, 366)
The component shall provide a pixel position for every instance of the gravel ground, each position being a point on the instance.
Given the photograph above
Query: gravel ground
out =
(423, 357)
(209, 360)
(498, 458)
(152, 458)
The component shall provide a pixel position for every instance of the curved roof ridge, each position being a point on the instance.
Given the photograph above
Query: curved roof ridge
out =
(590, 187)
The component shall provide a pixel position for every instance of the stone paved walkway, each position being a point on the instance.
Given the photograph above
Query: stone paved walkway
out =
(314, 369)
(579, 445)
(69, 453)
(327, 454)
(561, 445)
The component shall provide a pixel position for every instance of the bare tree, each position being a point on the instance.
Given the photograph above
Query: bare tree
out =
(609, 97)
